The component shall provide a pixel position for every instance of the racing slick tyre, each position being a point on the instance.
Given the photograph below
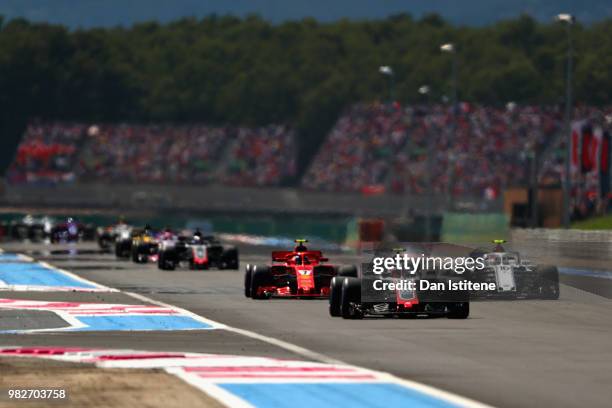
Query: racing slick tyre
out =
(230, 259)
(122, 250)
(247, 281)
(88, 233)
(138, 256)
(37, 233)
(104, 243)
(459, 310)
(548, 282)
(348, 270)
(350, 298)
(165, 261)
(260, 277)
(161, 261)
(335, 296)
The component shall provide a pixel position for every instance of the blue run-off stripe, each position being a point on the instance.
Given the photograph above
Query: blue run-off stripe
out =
(10, 257)
(34, 274)
(140, 322)
(333, 395)
(586, 272)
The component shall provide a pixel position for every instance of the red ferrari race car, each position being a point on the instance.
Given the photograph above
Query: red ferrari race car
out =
(298, 273)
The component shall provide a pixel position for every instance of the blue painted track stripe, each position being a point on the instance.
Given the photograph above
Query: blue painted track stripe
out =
(10, 257)
(586, 272)
(332, 395)
(140, 322)
(34, 274)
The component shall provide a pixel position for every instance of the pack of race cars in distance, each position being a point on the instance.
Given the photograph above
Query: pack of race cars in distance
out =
(49, 229)
(170, 249)
(299, 273)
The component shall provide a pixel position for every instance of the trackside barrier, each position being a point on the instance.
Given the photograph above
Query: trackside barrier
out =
(461, 227)
(578, 244)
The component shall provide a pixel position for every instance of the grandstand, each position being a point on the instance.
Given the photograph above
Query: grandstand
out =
(384, 148)
(372, 148)
(51, 153)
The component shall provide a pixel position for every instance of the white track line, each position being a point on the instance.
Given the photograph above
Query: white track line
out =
(313, 355)
(194, 316)
(225, 397)
(301, 351)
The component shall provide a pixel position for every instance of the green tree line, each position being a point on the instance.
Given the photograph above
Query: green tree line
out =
(249, 71)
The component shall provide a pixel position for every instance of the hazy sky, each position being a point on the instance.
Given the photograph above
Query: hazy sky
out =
(88, 13)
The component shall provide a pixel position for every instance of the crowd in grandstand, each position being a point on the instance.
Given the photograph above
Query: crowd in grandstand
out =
(477, 151)
(260, 156)
(197, 154)
(139, 153)
(359, 149)
(46, 153)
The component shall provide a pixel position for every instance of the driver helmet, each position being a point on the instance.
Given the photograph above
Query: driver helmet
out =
(498, 245)
(300, 247)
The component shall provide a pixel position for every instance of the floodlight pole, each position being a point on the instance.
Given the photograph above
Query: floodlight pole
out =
(426, 92)
(568, 20)
(388, 71)
(451, 48)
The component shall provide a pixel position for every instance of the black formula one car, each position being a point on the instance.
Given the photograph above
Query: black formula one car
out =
(196, 251)
(399, 293)
(123, 244)
(145, 246)
(33, 228)
(354, 298)
(110, 235)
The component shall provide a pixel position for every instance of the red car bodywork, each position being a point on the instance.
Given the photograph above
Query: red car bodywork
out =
(200, 255)
(299, 274)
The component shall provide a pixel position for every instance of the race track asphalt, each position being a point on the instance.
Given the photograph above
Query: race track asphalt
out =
(508, 353)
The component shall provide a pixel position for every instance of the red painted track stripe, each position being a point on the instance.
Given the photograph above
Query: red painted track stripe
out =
(289, 377)
(270, 369)
(115, 313)
(44, 350)
(138, 356)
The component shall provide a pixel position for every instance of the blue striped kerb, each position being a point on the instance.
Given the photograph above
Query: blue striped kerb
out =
(33, 274)
(333, 395)
(140, 322)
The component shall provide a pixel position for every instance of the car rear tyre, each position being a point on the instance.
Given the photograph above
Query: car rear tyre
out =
(348, 271)
(161, 261)
(548, 282)
(247, 281)
(351, 298)
(335, 296)
(165, 261)
(459, 310)
(230, 259)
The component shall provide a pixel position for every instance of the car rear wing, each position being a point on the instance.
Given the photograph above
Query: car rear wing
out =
(283, 256)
